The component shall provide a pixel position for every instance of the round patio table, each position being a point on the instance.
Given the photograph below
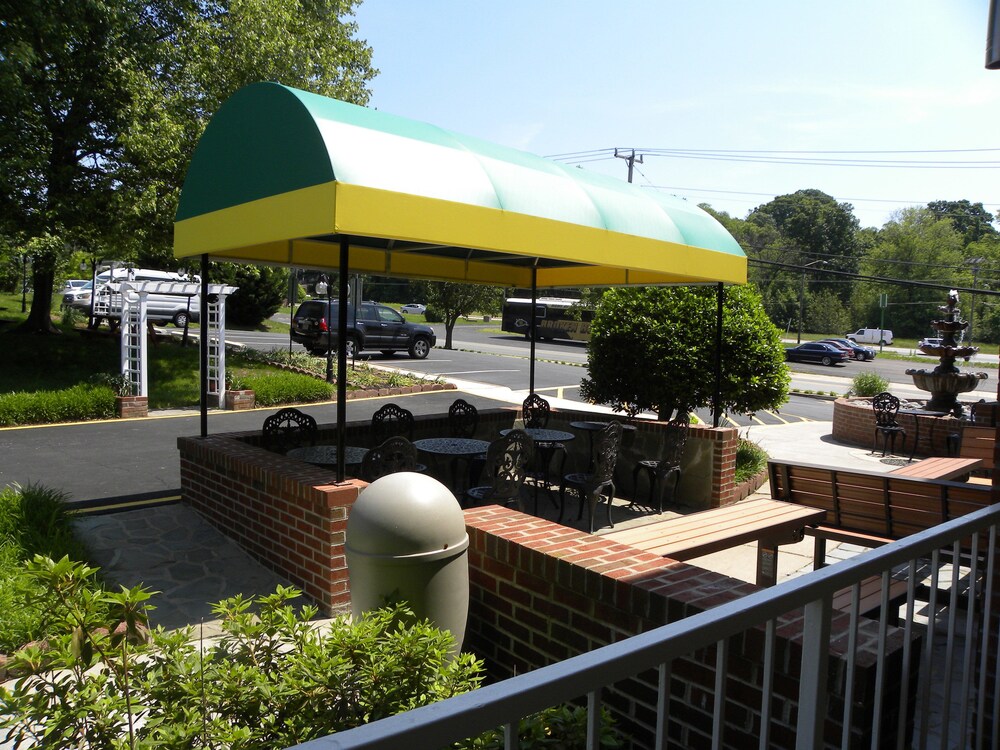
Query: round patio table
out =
(455, 447)
(916, 414)
(326, 455)
(452, 446)
(544, 435)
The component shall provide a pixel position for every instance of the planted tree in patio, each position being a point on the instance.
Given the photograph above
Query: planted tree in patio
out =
(653, 349)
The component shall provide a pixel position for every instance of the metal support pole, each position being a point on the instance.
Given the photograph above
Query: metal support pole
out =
(532, 330)
(203, 345)
(813, 676)
(342, 358)
(802, 307)
(720, 295)
(293, 297)
(329, 327)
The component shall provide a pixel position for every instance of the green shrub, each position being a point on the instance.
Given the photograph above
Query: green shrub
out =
(271, 680)
(80, 402)
(70, 317)
(433, 315)
(286, 388)
(33, 521)
(751, 460)
(868, 384)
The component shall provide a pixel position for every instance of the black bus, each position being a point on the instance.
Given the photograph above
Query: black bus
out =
(555, 318)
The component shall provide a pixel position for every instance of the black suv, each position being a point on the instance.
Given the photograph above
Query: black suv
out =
(314, 325)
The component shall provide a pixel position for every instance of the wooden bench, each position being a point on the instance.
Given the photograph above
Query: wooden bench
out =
(978, 442)
(870, 597)
(871, 508)
(939, 467)
(767, 522)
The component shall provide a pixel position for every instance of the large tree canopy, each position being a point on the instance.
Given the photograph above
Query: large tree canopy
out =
(971, 220)
(651, 349)
(103, 101)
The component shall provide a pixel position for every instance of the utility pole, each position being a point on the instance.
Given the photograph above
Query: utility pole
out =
(630, 159)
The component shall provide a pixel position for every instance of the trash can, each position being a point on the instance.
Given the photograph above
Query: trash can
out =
(406, 541)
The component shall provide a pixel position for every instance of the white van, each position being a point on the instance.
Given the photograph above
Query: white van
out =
(871, 336)
(166, 306)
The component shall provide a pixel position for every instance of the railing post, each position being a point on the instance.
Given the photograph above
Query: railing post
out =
(812, 678)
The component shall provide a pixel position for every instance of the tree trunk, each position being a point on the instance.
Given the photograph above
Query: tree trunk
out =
(39, 318)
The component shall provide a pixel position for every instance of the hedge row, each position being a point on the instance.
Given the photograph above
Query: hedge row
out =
(272, 389)
(79, 403)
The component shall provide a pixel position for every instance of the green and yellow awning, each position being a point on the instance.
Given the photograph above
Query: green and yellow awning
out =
(280, 176)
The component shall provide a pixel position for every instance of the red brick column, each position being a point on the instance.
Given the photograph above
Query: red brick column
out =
(541, 593)
(289, 516)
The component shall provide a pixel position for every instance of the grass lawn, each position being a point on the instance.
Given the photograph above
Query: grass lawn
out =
(47, 363)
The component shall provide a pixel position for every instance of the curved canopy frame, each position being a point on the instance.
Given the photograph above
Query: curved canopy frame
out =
(286, 177)
(281, 176)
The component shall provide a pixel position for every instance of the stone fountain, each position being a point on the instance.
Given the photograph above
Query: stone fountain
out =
(946, 381)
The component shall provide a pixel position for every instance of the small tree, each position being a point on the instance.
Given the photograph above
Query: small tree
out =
(652, 349)
(260, 292)
(455, 300)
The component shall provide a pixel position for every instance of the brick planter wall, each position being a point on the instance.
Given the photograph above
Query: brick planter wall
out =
(854, 423)
(288, 515)
(240, 400)
(542, 593)
(291, 516)
(131, 407)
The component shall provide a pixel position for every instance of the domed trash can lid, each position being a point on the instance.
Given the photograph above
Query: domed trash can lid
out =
(405, 516)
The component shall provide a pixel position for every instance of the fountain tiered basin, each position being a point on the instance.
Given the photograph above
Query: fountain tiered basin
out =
(946, 381)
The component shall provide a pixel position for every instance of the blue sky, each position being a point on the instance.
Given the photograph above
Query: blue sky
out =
(555, 77)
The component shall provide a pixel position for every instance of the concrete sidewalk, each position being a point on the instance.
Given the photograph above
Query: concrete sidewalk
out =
(171, 550)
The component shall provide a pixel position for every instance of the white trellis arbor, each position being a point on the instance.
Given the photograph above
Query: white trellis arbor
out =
(131, 301)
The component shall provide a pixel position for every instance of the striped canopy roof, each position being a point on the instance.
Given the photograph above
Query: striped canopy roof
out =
(281, 176)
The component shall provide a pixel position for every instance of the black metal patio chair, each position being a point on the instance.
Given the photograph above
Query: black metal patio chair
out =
(886, 407)
(288, 428)
(506, 468)
(395, 454)
(599, 483)
(661, 470)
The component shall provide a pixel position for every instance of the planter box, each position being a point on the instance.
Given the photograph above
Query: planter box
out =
(240, 400)
(131, 407)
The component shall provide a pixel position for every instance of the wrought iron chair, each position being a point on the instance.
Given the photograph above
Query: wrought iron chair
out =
(886, 406)
(660, 470)
(393, 420)
(506, 467)
(395, 454)
(535, 412)
(592, 486)
(288, 428)
(389, 421)
(463, 421)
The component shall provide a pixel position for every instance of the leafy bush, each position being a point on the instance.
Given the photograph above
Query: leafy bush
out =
(273, 679)
(560, 728)
(433, 315)
(271, 389)
(261, 290)
(751, 460)
(70, 317)
(33, 521)
(868, 384)
(79, 402)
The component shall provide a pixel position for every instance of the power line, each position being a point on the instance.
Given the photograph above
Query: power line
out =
(877, 279)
